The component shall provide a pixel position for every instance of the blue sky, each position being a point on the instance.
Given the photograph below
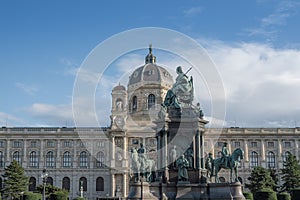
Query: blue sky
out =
(255, 45)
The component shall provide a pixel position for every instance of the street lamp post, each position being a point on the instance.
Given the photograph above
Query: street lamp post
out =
(44, 177)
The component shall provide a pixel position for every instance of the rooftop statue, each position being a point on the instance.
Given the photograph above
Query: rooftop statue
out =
(182, 92)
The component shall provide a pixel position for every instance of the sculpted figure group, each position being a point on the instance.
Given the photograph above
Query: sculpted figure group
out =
(141, 166)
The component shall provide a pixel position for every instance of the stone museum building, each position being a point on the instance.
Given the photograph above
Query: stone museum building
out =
(99, 158)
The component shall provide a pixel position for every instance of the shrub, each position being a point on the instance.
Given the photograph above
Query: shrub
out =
(295, 194)
(59, 195)
(32, 196)
(248, 195)
(283, 196)
(265, 194)
(79, 198)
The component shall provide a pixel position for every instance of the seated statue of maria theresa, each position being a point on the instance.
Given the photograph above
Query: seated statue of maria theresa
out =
(182, 92)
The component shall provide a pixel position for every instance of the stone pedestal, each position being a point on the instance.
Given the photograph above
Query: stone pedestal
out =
(225, 191)
(184, 190)
(236, 191)
(140, 190)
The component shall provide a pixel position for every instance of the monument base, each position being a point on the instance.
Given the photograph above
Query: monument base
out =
(225, 191)
(140, 190)
(184, 190)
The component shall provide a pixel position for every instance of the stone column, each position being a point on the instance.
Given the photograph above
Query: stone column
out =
(42, 161)
(198, 150)
(8, 158)
(113, 147)
(125, 149)
(246, 151)
(58, 159)
(165, 156)
(24, 159)
(75, 158)
(124, 185)
(164, 150)
(159, 153)
(263, 154)
(296, 149)
(202, 149)
(279, 149)
(113, 185)
(212, 149)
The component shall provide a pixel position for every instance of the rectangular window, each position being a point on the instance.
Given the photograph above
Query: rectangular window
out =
(253, 144)
(287, 144)
(270, 144)
(67, 143)
(33, 144)
(17, 144)
(237, 144)
(100, 144)
(50, 143)
(1, 143)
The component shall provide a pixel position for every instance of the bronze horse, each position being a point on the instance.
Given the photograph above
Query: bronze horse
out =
(234, 160)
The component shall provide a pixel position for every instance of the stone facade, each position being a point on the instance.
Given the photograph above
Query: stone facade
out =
(100, 157)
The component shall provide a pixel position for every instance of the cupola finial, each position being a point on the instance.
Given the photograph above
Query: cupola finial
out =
(150, 58)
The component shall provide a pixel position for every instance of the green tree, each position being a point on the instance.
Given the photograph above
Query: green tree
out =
(260, 178)
(50, 190)
(15, 181)
(290, 174)
(275, 178)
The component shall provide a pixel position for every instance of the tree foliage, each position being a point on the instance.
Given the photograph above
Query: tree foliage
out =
(50, 189)
(290, 173)
(260, 178)
(275, 178)
(15, 181)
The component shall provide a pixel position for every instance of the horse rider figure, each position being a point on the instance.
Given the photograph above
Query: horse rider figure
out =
(225, 155)
(142, 157)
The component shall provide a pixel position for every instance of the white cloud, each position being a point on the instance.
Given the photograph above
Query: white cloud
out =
(10, 120)
(28, 89)
(193, 11)
(261, 83)
(52, 114)
(268, 24)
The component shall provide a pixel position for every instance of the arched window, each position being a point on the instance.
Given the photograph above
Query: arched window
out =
(271, 159)
(83, 183)
(134, 103)
(50, 159)
(286, 155)
(119, 105)
(83, 159)
(67, 159)
(33, 159)
(17, 157)
(151, 100)
(253, 159)
(100, 160)
(99, 184)
(1, 159)
(49, 180)
(32, 184)
(66, 183)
